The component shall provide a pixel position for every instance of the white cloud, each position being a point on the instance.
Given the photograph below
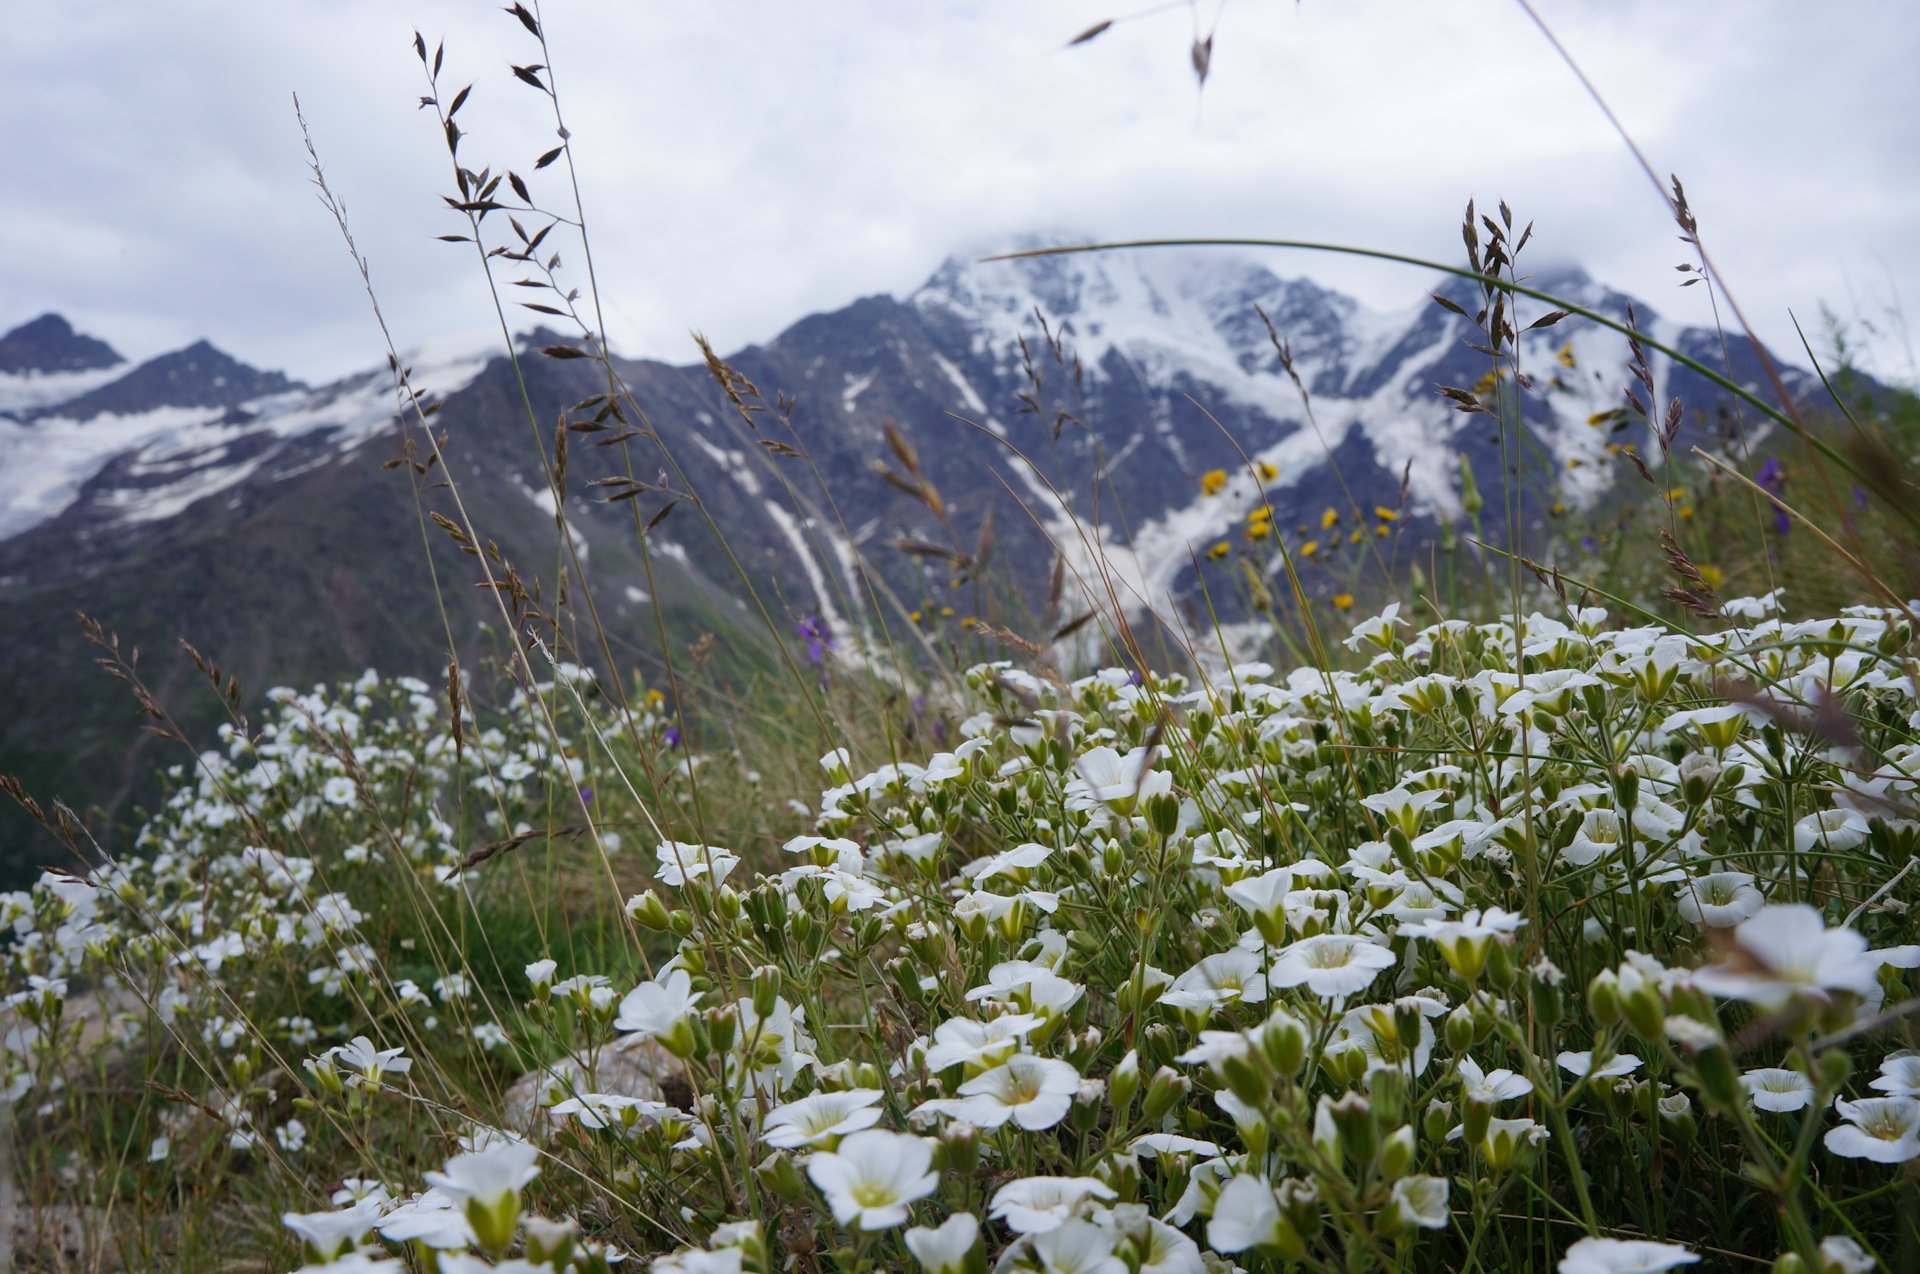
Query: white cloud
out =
(746, 163)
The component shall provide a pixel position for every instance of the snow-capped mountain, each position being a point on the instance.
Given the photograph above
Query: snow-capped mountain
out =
(1084, 399)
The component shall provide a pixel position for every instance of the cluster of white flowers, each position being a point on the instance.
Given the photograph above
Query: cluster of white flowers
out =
(265, 864)
(1164, 974)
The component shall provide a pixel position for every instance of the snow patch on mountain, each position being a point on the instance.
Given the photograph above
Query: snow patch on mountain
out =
(21, 393)
(50, 461)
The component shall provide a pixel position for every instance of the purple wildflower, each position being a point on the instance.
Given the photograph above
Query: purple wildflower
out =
(673, 736)
(586, 795)
(1773, 478)
(814, 630)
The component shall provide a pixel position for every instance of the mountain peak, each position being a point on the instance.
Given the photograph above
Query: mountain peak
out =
(200, 375)
(49, 344)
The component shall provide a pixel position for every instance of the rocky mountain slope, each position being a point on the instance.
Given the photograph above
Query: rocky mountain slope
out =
(1083, 400)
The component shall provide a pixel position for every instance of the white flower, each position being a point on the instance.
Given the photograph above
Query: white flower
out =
(488, 1177)
(1581, 1064)
(1034, 1205)
(1018, 862)
(1078, 1247)
(1598, 836)
(1334, 965)
(681, 862)
(1841, 1255)
(655, 1008)
(331, 1234)
(773, 1049)
(1720, 899)
(945, 1250)
(1491, 1086)
(540, 973)
(1246, 1215)
(1033, 1092)
(815, 1119)
(1883, 1129)
(693, 1260)
(1172, 1143)
(1034, 987)
(1377, 631)
(1837, 830)
(1623, 1256)
(1464, 942)
(1421, 1202)
(960, 1039)
(1786, 951)
(1104, 777)
(291, 1136)
(1899, 1075)
(1777, 1089)
(873, 1177)
(1220, 979)
(1264, 897)
(368, 1063)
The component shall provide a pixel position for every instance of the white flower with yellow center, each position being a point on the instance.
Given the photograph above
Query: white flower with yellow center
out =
(873, 1177)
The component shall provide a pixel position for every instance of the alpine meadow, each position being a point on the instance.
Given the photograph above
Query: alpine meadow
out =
(1127, 756)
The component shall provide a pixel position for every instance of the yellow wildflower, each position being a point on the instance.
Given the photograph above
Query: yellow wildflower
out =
(1219, 550)
(1343, 601)
(1212, 480)
(1329, 518)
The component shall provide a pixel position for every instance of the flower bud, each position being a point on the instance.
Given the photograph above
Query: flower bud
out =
(1283, 1038)
(1123, 1084)
(1245, 1078)
(1397, 1152)
(551, 1242)
(1353, 1118)
(1387, 1089)
(1832, 1068)
(646, 910)
(1645, 1015)
(1479, 1114)
(1437, 1120)
(1500, 969)
(1300, 1204)
(1164, 810)
(723, 1024)
(1167, 1087)
(1459, 1029)
(1676, 1115)
(959, 1148)
(1603, 997)
(1544, 998)
(766, 989)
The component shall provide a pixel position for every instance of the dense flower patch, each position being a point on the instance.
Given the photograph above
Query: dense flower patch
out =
(1559, 942)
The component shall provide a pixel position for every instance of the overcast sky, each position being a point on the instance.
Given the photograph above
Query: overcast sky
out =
(746, 162)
